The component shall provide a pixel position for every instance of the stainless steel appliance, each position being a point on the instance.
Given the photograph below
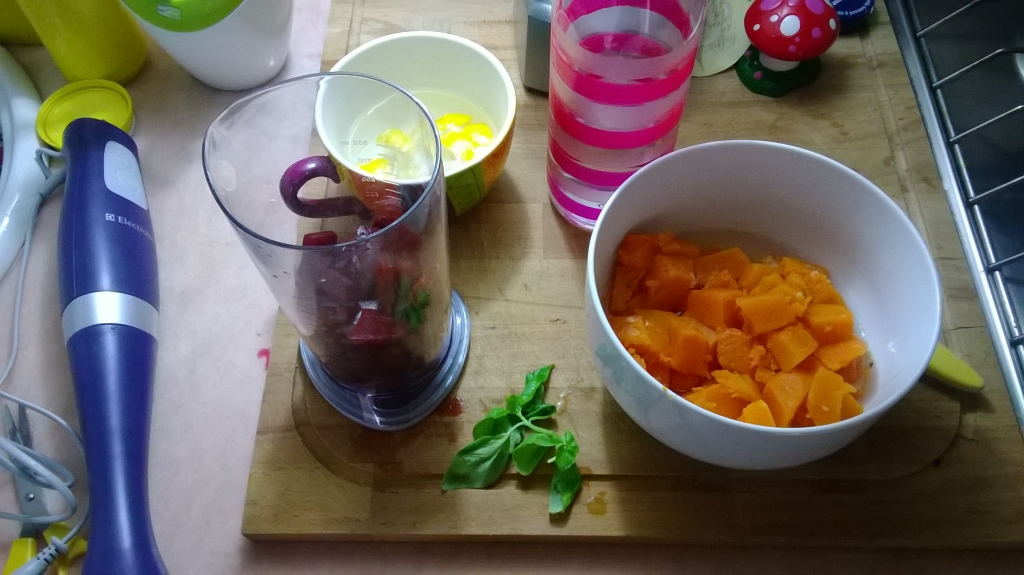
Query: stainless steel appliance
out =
(966, 64)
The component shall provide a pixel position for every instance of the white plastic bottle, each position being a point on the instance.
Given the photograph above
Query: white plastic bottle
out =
(227, 44)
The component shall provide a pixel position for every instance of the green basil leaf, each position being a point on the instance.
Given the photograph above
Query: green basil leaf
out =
(513, 403)
(531, 451)
(516, 437)
(565, 484)
(539, 411)
(535, 382)
(566, 452)
(497, 422)
(478, 464)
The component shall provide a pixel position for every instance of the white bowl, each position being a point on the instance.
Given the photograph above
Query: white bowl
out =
(809, 206)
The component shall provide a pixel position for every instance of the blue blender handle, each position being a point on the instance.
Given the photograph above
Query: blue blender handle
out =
(110, 301)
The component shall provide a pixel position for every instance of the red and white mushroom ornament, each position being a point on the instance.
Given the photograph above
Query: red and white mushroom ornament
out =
(788, 36)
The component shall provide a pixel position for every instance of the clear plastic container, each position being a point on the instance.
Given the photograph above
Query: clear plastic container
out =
(619, 78)
(351, 238)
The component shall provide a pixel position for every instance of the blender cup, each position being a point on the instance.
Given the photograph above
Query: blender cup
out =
(334, 183)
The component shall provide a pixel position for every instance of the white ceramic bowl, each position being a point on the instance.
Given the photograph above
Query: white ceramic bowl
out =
(813, 208)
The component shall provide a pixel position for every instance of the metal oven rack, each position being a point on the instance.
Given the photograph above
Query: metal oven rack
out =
(995, 274)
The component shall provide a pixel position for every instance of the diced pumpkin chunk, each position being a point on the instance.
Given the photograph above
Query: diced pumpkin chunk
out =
(757, 413)
(624, 284)
(784, 393)
(740, 386)
(753, 275)
(716, 399)
(825, 397)
(638, 250)
(836, 356)
(734, 349)
(762, 376)
(638, 359)
(764, 313)
(821, 289)
(667, 283)
(686, 344)
(683, 382)
(714, 307)
(850, 407)
(801, 418)
(853, 373)
(767, 284)
(720, 279)
(732, 260)
(793, 266)
(828, 322)
(796, 299)
(790, 346)
(673, 246)
(632, 332)
(659, 368)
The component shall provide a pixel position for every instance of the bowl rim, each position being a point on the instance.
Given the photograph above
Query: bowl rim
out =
(510, 91)
(917, 241)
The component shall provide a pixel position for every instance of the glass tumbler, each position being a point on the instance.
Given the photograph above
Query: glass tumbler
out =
(620, 73)
(334, 184)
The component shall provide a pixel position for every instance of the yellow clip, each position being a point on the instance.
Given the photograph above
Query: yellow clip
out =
(22, 551)
(76, 547)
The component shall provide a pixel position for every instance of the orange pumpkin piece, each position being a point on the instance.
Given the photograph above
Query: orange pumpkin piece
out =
(624, 284)
(821, 288)
(716, 399)
(801, 418)
(795, 298)
(683, 382)
(638, 250)
(853, 373)
(757, 413)
(637, 358)
(739, 386)
(850, 407)
(810, 365)
(734, 350)
(714, 307)
(767, 284)
(825, 398)
(732, 260)
(687, 343)
(720, 279)
(672, 246)
(764, 313)
(828, 322)
(784, 393)
(753, 275)
(790, 346)
(790, 265)
(836, 356)
(667, 283)
(659, 368)
(762, 376)
(798, 282)
(632, 332)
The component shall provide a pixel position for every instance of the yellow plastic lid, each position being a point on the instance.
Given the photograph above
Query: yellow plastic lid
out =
(100, 99)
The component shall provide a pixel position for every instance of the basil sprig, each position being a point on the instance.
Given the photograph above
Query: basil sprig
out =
(510, 432)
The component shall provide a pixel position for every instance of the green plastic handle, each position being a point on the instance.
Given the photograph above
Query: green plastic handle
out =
(953, 371)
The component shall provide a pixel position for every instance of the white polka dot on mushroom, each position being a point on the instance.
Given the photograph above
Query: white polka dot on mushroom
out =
(757, 27)
(790, 25)
(774, 18)
(832, 23)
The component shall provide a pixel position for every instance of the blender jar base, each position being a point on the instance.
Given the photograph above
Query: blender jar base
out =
(394, 412)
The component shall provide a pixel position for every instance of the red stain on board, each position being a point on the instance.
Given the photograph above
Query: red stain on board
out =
(264, 354)
(452, 407)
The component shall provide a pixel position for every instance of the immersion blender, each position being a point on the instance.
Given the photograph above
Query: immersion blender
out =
(109, 294)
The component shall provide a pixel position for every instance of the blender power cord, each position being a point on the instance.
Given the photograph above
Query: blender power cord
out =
(45, 472)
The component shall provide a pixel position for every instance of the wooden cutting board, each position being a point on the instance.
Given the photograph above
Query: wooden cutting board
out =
(941, 469)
